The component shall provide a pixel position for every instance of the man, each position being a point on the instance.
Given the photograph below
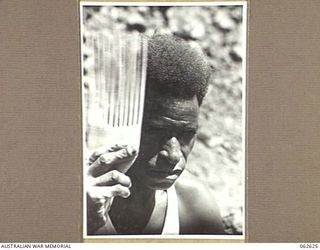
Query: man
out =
(157, 195)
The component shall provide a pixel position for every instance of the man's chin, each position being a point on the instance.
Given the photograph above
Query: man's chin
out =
(159, 186)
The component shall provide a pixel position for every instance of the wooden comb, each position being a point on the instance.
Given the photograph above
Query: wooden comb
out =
(115, 99)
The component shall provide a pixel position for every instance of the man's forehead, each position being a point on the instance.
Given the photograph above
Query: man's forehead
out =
(172, 108)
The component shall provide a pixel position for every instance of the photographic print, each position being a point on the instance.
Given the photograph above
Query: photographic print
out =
(163, 112)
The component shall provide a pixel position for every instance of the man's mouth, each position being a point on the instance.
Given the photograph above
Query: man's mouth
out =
(167, 174)
(166, 171)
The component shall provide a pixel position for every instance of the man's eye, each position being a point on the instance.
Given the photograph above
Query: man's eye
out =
(152, 130)
(186, 136)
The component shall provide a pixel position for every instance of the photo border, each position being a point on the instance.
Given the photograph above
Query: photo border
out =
(244, 48)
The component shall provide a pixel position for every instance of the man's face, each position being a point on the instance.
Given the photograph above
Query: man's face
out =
(168, 135)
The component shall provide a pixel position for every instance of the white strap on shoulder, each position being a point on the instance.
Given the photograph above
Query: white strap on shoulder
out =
(171, 224)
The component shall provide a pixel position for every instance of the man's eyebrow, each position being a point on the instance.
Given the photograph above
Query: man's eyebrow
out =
(161, 121)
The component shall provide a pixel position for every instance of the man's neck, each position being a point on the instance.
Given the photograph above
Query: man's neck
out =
(131, 215)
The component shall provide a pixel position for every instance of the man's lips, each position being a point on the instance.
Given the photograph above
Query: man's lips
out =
(166, 171)
(164, 174)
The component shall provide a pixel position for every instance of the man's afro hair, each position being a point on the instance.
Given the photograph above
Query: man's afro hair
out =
(176, 69)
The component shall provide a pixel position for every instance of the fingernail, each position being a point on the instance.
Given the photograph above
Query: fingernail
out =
(164, 153)
(127, 195)
(131, 150)
(117, 147)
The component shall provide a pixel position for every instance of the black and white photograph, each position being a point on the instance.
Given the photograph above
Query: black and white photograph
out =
(163, 119)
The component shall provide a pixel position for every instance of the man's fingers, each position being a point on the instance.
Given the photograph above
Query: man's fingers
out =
(98, 167)
(119, 190)
(98, 152)
(118, 156)
(93, 157)
(112, 178)
(109, 159)
(117, 147)
(107, 192)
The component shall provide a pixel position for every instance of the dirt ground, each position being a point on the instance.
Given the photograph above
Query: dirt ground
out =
(217, 158)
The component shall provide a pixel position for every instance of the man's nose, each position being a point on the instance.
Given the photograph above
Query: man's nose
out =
(171, 151)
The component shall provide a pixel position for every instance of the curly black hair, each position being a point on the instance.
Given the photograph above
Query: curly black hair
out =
(175, 68)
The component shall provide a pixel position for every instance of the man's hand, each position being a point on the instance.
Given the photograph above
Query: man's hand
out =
(106, 180)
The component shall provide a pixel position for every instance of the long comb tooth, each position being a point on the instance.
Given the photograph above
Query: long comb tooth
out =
(103, 78)
(143, 78)
(96, 73)
(95, 57)
(117, 93)
(132, 86)
(127, 95)
(121, 79)
(112, 84)
(99, 70)
(137, 85)
(126, 85)
(118, 80)
(90, 45)
(110, 89)
(100, 89)
(130, 75)
(108, 78)
(123, 82)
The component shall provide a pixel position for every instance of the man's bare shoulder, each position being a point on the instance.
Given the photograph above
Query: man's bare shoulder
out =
(191, 187)
(197, 206)
(190, 182)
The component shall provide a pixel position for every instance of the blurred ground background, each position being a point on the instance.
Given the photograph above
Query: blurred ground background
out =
(217, 158)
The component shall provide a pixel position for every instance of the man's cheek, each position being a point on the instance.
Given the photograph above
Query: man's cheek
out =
(148, 149)
(187, 148)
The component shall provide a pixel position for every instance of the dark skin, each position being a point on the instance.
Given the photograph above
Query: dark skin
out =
(168, 135)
